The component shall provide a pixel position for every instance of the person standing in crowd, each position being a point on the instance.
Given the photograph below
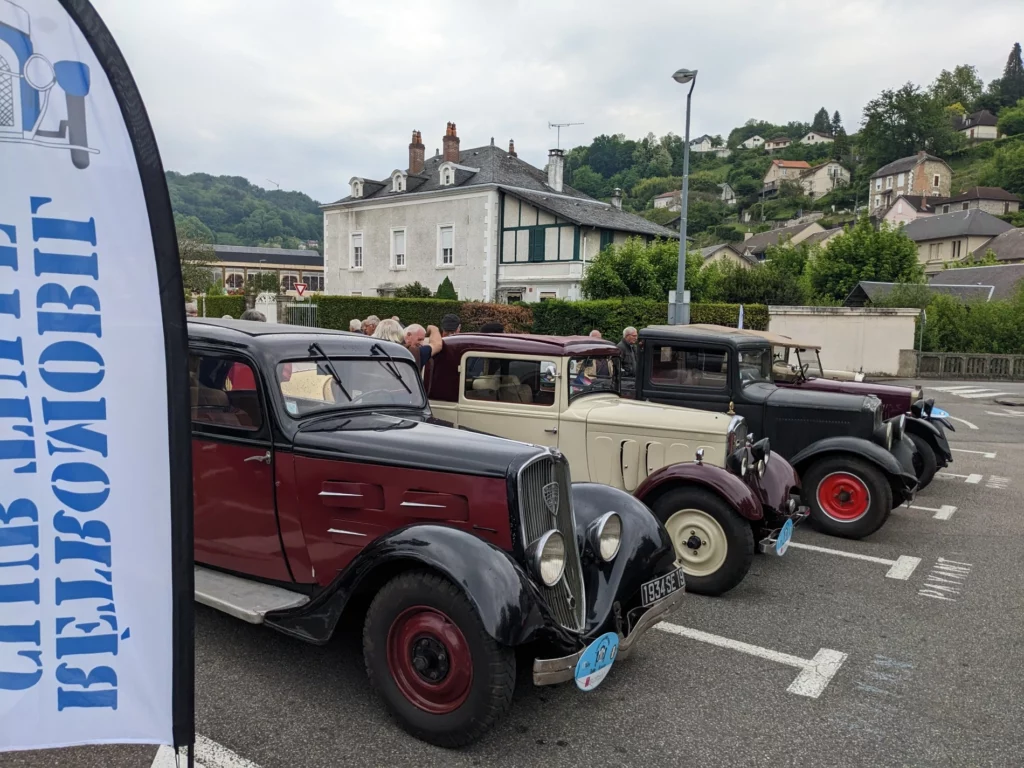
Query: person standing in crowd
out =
(492, 328)
(191, 309)
(255, 315)
(628, 347)
(370, 325)
(423, 344)
(595, 334)
(389, 330)
(355, 325)
(450, 325)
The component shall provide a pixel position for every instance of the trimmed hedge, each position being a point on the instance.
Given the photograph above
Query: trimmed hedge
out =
(610, 316)
(337, 311)
(218, 306)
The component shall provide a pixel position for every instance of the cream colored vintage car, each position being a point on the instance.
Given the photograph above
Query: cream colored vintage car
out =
(718, 494)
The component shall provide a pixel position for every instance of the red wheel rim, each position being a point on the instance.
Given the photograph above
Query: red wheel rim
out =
(429, 660)
(843, 497)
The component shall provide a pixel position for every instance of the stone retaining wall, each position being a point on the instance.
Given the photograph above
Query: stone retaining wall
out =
(960, 365)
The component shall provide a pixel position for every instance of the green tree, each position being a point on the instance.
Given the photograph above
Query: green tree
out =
(821, 122)
(905, 295)
(837, 124)
(413, 291)
(1007, 168)
(446, 290)
(1011, 86)
(961, 86)
(992, 98)
(988, 259)
(590, 182)
(195, 255)
(1011, 121)
(840, 144)
(863, 253)
(901, 122)
(703, 214)
(635, 268)
(262, 282)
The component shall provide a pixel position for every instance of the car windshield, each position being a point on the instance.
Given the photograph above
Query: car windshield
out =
(755, 365)
(309, 386)
(593, 374)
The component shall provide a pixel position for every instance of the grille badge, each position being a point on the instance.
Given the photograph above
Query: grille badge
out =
(550, 493)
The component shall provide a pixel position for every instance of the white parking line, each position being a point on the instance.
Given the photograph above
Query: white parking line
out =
(985, 393)
(942, 513)
(969, 479)
(901, 568)
(964, 421)
(954, 389)
(209, 754)
(1007, 414)
(815, 674)
(986, 454)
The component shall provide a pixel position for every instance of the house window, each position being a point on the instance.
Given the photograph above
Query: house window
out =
(607, 238)
(356, 261)
(548, 295)
(965, 206)
(945, 209)
(356, 293)
(288, 281)
(878, 183)
(888, 182)
(933, 252)
(935, 180)
(314, 282)
(537, 237)
(878, 200)
(1006, 207)
(446, 246)
(447, 177)
(398, 183)
(899, 180)
(398, 249)
(513, 296)
(234, 281)
(956, 248)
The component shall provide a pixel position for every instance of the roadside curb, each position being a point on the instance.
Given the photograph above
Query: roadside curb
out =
(1017, 401)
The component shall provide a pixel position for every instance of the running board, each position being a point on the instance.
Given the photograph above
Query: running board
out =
(243, 598)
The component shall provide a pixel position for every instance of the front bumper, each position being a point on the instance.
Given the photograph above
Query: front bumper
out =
(563, 669)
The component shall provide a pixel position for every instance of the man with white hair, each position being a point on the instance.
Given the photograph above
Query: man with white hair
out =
(423, 344)
(355, 325)
(628, 347)
(370, 324)
(595, 334)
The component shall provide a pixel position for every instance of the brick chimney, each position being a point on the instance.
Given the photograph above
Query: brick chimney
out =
(556, 168)
(451, 144)
(617, 198)
(512, 148)
(416, 150)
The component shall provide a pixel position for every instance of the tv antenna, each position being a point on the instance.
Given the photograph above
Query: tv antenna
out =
(274, 183)
(558, 128)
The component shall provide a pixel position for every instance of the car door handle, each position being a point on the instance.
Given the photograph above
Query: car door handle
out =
(265, 458)
(552, 431)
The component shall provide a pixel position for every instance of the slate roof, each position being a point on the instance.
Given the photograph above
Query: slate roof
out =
(984, 193)
(493, 165)
(819, 237)
(760, 242)
(708, 252)
(982, 117)
(975, 222)
(866, 291)
(906, 164)
(699, 139)
(1008, 246)
(920, 203)
(1003, 279)
(244, 254)
(781, 138)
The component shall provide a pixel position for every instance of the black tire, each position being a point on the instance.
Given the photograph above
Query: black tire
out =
(738, 540)
(925, 462)
(859, 521)
(77, 131)
(493, 666)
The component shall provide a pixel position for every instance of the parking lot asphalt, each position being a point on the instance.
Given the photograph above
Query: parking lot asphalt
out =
(931, 674)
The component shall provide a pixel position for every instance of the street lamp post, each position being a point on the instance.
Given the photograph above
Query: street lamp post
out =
(679, 311)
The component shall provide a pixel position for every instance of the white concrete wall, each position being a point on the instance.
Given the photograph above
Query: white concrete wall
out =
(473, 216)
(851, 338)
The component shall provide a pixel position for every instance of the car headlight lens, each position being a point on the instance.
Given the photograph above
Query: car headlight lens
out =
(744, 466)
(760, 468)
(547, 556)
(39, 73)
(606, 536)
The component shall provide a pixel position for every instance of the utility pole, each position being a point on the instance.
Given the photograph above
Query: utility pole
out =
(558, 131)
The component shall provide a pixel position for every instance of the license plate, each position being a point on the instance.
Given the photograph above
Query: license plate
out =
(785, 535)
(663, 586)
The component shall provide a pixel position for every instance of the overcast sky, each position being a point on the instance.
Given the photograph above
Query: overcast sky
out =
(312, 92)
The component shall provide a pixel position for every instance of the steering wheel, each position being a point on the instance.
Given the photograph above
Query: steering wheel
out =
(748, 376)
(803, 371)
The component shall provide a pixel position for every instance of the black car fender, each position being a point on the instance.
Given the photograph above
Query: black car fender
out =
(885, 460)
(645, 552)
(934, 435)
(509, 604)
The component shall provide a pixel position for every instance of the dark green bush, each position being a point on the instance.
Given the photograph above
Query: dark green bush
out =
(610, 316)
(218, 306)
(337, 311)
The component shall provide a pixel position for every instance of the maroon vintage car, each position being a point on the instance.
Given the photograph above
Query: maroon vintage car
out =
(324, 492)
(798, 365)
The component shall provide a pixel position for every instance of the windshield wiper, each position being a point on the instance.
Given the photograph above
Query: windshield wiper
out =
(315, 347)
(389, 365)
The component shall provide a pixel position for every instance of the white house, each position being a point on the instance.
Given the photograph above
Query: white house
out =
(777, 143)
(979, 126)
(668, 200)
(702, 144)
(754, 142)
(816, 138)
(500, 228)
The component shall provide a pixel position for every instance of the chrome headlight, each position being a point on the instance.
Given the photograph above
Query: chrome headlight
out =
(606, 535)
(546, 556)
(760, 467)
(744, 466)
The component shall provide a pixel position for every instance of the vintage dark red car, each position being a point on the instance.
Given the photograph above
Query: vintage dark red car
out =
(325, 493)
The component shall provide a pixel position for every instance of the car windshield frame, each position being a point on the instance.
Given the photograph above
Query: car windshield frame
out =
(820, 374)
(383, 369)
(609, 385)
(765, 368)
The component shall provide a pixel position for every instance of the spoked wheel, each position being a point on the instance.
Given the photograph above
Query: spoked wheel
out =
(848, 497)
(442, 676)
(713, 543)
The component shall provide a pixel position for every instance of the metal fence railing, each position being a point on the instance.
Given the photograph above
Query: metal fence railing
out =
(962, 365)
(298, 313)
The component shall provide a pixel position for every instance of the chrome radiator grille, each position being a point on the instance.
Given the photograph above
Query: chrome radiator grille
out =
(566, 598)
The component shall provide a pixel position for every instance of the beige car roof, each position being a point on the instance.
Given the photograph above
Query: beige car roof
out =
(775, 339)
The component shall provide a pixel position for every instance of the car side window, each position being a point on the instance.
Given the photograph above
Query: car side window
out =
(504, 380)
(679, 365)
(224, 393)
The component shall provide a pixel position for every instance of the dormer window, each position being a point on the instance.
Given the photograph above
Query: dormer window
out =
(357, 187)
(398, 182)
(446, 174)
(447, 177)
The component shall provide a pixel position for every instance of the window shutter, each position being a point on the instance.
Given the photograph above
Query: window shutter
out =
(536, 245)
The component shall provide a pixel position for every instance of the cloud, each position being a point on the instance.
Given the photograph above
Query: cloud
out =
(311, 93)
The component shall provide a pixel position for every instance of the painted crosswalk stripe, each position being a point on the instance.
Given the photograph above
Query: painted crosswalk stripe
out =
(953, 389)
(815, 674)
(987, 393)
(209, 754)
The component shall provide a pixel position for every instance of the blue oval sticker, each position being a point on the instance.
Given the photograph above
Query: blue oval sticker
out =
(938, 413)
(785, 536)
(595, 663)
